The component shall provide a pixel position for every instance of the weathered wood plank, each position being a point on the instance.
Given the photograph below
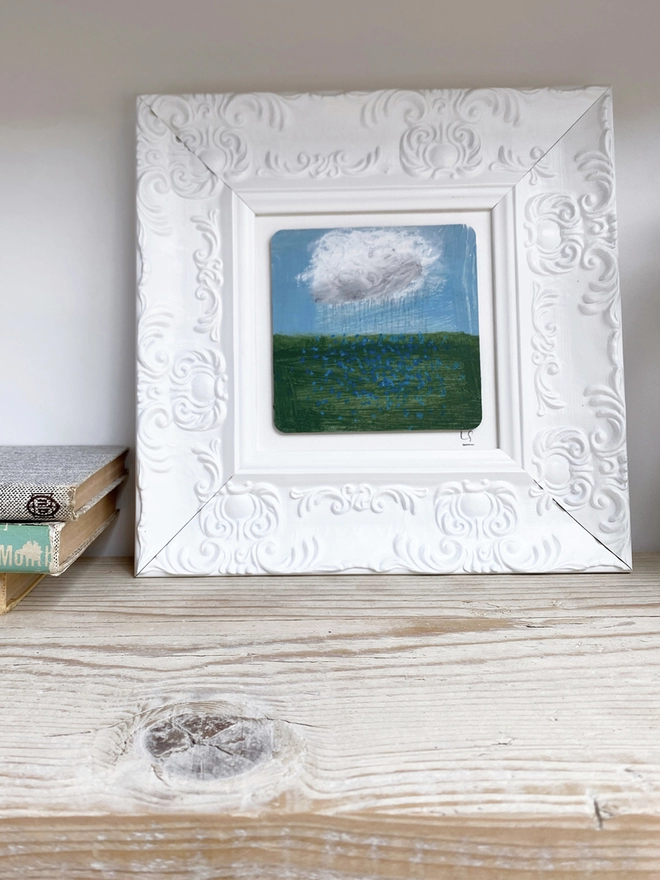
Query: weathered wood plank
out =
(105, 589)
(331, 727)
(304, 847)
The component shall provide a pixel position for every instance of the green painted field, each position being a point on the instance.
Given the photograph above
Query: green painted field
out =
(419, 382)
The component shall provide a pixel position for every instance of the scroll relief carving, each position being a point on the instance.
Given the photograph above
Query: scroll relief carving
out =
(220, 129)
(482, 510)
(534, 164)
(252, 528)
(187, 389)
(441, 134)
(211, 459)
(478, 524)
(567, 233)
(338, 163)
(361, 498)
(209, 275)
(240, 532)
(245, 512)
(580, 468)
(544, 344)
(216, 124)
(182, 381)
(164, 167)
(198, 390)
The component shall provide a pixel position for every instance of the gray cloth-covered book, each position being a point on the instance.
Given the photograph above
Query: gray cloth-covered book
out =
(51, 547)
(56, 483)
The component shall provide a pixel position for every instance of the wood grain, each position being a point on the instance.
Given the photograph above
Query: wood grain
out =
(468, 727)
(312, 847)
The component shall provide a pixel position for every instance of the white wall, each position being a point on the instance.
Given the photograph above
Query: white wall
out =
(69, 73)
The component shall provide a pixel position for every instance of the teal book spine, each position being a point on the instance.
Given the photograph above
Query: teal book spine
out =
(28, 547)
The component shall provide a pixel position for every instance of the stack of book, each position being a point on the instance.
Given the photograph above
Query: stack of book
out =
(54, 501)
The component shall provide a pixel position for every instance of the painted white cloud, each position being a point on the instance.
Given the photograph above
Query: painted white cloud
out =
(357, 265)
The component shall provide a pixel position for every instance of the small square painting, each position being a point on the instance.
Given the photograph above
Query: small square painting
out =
(375, 329)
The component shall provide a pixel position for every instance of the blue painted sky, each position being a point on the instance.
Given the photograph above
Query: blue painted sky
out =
(313, 291)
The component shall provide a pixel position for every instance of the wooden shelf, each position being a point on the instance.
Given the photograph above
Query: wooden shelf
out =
(331, 728)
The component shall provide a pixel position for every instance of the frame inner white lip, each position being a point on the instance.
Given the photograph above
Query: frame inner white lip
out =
(260, 447)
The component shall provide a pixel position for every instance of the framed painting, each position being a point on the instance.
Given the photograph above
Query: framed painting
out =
(379, 332)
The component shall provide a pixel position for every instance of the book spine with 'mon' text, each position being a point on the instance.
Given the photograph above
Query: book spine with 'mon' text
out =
(28, 547)
(35, 547)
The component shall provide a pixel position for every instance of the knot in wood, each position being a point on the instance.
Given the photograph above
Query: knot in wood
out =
(208, 747)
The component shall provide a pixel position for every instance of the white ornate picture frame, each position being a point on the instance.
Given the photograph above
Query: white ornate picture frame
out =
(540, 486)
